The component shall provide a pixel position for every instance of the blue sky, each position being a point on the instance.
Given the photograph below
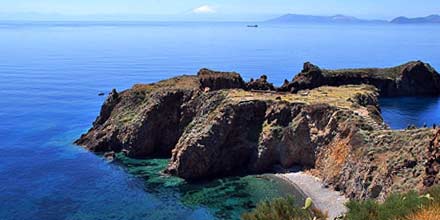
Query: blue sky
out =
(211, 10)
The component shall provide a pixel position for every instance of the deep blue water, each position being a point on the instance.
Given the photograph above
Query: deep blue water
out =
(51, 73)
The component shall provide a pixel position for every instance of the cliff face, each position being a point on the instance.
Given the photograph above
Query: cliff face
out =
(145, 120)
(214, 124)
(374, 164)
(410, 79)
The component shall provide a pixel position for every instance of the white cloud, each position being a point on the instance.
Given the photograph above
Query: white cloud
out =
(204, 9)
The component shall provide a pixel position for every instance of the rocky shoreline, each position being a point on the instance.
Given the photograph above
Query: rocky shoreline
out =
(215, 124)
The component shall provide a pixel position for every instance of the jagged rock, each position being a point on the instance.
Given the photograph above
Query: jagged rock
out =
(410, 79)
(260, 84)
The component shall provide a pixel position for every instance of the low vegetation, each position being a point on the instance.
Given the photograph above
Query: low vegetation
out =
(397, 206)
(343, 96)
(408, 206)
(284, 208)
(390, 73)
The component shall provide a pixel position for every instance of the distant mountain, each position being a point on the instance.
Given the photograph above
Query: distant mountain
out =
(339, 19)
(420, 20)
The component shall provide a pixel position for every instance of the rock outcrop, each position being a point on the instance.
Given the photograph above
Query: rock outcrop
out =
(260, 84)
(215, 80)
(410, 79)
(214, 124)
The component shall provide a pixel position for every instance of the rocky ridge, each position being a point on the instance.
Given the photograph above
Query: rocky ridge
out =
(411, 79)
(215, 124)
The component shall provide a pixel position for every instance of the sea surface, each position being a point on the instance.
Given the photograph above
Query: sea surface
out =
(51, 74)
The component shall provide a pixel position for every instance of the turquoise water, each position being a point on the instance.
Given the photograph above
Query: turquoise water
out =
(51, 73)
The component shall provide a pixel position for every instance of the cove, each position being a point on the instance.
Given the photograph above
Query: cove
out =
(400, 112)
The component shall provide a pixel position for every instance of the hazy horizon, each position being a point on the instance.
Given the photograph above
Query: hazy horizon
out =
(217, 10)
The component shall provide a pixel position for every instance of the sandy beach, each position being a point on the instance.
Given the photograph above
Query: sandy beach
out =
(325, 199)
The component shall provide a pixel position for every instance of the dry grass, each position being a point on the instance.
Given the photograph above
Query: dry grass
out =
(181, 82)
(429, 213)
(337, 96)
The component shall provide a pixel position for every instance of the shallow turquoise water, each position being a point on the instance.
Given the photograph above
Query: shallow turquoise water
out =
(50, 75)
(225, 198)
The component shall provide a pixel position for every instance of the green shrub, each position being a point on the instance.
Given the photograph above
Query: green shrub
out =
(281, 208)
(366, 210)
(396, 206)
(434, 192)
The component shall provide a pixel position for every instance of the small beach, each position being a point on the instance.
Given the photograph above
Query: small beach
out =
(325, 199)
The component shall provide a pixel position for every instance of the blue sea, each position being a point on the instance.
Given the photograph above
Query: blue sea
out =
(51, 73)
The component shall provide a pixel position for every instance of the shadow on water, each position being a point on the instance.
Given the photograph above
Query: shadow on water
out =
(404, 111)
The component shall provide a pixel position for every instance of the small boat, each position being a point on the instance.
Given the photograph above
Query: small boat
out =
(253, 26)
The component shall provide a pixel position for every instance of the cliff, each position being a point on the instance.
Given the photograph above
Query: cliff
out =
(215, 124)
(411, 79)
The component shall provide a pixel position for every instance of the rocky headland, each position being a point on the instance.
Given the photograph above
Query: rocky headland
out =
(411, 79)
(328, 121)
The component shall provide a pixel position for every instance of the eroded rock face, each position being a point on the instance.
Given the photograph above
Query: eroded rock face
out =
(411, 79)
(432, 164)
(382, 163)
(219, 144)
(154, 129)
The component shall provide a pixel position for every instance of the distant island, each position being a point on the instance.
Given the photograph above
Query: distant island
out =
(432, 19)
(297, 18)
(343, 19)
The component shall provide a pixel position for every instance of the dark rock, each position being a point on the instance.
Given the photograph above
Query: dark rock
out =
(410, 163)
(260, 84)
(375, 191)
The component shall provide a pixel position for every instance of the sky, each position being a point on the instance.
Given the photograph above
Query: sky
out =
(209, 9)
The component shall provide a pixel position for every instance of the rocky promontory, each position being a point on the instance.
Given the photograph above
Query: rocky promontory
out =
(411, 79)
(215, 124)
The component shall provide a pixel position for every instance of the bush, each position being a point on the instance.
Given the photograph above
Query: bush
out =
(397, 206)
(282, 208)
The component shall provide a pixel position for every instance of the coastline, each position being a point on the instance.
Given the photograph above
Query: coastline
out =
(324, 199)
